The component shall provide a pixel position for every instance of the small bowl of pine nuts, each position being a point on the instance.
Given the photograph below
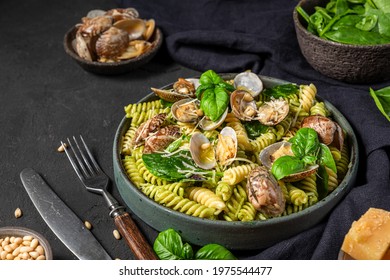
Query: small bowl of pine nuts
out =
(18, 243)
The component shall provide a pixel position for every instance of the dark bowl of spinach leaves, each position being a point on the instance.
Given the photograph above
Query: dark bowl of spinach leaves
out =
(347, 40)
(234, 235)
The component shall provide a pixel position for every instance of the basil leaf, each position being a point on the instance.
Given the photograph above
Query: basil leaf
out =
(305, 142)
(226, 86)
(169, 168)
(281, 90)
(166, 104)
(201, 89)
(210, 78)
(326, 158)
(286, 165)
(382, 100)
(214, 252)
(254, 129)
(322, 182)
(214, 103)
(169, 246)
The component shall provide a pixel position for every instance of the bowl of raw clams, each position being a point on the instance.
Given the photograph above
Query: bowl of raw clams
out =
(238, 159)
(113, 42)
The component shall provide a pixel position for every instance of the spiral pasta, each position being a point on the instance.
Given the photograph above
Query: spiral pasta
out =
(247, 212)
(206, 197)
(224, 190)
(141, 107)
(242, 136)
(319, 109)
(297, 196)
(235, 203)
(235, 175)
(332, 180)
(263, 141)
(132, 170)
(307, 94)
(343, 164)
(147, 176)
(127, 141)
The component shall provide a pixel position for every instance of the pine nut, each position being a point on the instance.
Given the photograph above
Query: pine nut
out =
(87, 225)
(17, 259)
(8, 248)
(3, 255)
(18, 240)
(25, 256)
(34, 243)
(13, 246)
(18, 213)
(26, 243)
(16, 252)
(40, 258)
(9, 257)
(116, 234)
(26, 249)
(12, 239)
(62, 148)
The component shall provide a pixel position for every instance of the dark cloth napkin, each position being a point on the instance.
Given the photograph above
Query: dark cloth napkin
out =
(233, 36)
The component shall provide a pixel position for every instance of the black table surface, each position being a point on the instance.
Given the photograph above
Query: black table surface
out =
(46, 97)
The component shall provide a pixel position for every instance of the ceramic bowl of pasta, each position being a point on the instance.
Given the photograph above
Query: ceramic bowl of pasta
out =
(236, 159)
(350, 43)
(113, 42)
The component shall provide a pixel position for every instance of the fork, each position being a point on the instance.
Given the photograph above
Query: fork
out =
(96, 181)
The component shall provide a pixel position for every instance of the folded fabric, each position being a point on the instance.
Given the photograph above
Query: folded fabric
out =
(233, 36)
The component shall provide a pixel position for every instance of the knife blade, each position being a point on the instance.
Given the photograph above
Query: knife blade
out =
(61, 219)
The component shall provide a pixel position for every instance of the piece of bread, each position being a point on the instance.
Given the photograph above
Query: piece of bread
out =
(369, 237)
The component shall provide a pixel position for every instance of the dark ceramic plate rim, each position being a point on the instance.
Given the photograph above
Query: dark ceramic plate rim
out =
(298, 23)
(340, 190)
(69, 50)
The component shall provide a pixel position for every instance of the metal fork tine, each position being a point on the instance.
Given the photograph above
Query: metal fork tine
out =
(79, 160)
(86, 161)
(90, 155)
(72, 162)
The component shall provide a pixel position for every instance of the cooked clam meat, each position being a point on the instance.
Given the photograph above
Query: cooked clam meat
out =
(243, 105)
(264, 192)
(183, 86)
(273, 112)
(181, 89)
(271, 153)
(186, 110)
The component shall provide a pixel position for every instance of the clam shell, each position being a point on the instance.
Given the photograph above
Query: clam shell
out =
(301, 175)
(223, 153)
(325, 128)
(188, 114)
(150, 26)
(273, 112)
(134, 27)
(240, 104)
(250, 82)
(112, 43)
(205, 161)
(135, 49)
(269, 154)
(168, 95)
(95, 13)
(81, 47)
(207, 124)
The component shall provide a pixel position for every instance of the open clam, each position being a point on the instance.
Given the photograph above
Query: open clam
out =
(202, 151)
(134, 27)
(207, 124)
(250, 82)
(264, 192)
(182, 89)
(226, 149)
(329, 132)
(271, 153)
(186, 110)
(273, 112)
(243, 105)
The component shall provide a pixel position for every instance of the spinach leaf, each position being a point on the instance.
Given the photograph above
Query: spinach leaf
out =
(214, 103)
(214, 252)
(169, 246)
(254, 129)
(382, 100)
(356, 36)
(286, 165)
(305, 143)
(176, 167)
(341, 7)
(367, 23)
(325, 158)
(281, 90)
(383, 20)
(348, 20)
(383, 5)
(322, 182)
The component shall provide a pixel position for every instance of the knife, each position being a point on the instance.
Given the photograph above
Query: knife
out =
(61, 219)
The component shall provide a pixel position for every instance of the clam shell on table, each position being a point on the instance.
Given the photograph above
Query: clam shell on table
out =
(202, 152)
(250, 82)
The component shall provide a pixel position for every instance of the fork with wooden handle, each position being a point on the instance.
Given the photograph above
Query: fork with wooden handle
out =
(96, 181)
